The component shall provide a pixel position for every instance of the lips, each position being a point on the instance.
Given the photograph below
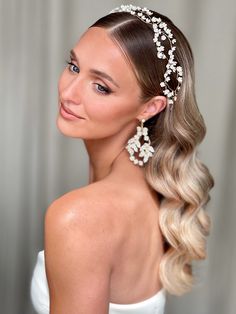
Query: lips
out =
(68, 111)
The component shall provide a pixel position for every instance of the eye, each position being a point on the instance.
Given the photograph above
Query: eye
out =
(102, 89)
(72, 67)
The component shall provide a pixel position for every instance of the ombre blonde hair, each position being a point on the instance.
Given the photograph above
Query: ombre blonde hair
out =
(175, 171)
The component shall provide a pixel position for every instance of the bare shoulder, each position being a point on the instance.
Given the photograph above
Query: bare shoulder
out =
(80, 241)
(89, 205)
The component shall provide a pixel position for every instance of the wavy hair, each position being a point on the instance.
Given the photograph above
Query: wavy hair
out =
(175, 172)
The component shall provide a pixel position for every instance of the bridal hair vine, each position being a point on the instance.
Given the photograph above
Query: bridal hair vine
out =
(161, 33)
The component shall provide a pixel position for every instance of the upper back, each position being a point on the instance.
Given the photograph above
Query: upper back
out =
(129, 213)
(134, 213)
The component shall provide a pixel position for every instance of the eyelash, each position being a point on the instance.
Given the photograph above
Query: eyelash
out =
(104, 91)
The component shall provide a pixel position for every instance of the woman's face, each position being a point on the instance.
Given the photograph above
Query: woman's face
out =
(99, 86)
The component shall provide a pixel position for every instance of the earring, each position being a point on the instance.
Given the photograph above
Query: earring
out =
(134, 145)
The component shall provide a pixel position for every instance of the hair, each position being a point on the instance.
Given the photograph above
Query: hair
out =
(175, 172)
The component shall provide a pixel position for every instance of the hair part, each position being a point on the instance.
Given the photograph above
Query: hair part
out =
(175, 172)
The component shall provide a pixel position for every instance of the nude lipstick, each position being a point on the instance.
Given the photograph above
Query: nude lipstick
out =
(68, 114)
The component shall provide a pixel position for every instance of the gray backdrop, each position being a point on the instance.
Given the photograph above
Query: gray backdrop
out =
(37, 164)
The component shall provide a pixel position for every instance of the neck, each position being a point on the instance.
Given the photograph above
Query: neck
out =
(108, 155)
(102, 155)
(101, 159)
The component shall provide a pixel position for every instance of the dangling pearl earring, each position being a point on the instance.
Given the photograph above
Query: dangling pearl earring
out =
(134, 145)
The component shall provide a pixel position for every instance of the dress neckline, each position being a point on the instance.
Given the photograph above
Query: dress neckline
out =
(160, 295)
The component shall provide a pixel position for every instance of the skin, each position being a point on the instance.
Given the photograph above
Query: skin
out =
(99, 234)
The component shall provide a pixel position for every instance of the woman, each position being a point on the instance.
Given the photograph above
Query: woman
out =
(120, 243)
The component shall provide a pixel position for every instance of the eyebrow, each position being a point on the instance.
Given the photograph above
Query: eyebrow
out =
(94, 71)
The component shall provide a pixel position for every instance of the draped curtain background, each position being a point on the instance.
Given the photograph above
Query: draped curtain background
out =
(37, 163)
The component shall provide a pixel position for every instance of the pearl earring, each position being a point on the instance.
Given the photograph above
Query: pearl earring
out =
(146, 150)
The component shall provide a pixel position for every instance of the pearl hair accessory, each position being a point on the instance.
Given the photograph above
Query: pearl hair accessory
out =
(134, 145)
(161, 33)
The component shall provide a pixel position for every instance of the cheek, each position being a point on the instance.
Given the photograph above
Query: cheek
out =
(110, 111)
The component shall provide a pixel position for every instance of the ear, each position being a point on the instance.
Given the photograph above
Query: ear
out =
(152, 107)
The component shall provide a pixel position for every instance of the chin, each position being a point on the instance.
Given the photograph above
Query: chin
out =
(68, 129)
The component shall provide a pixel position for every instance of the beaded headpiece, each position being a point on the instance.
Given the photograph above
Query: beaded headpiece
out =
(161, 33)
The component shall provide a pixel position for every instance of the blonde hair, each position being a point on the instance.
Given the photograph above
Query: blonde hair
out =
(181, 180)
(184, 182)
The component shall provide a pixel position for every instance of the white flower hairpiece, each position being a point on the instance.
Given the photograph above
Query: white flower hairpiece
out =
(161, 33)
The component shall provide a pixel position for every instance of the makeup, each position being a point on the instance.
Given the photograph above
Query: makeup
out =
(68, 114)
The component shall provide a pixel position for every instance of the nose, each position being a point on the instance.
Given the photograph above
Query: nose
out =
(69, 88)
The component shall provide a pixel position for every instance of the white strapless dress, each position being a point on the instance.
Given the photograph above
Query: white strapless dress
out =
(40, 296)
